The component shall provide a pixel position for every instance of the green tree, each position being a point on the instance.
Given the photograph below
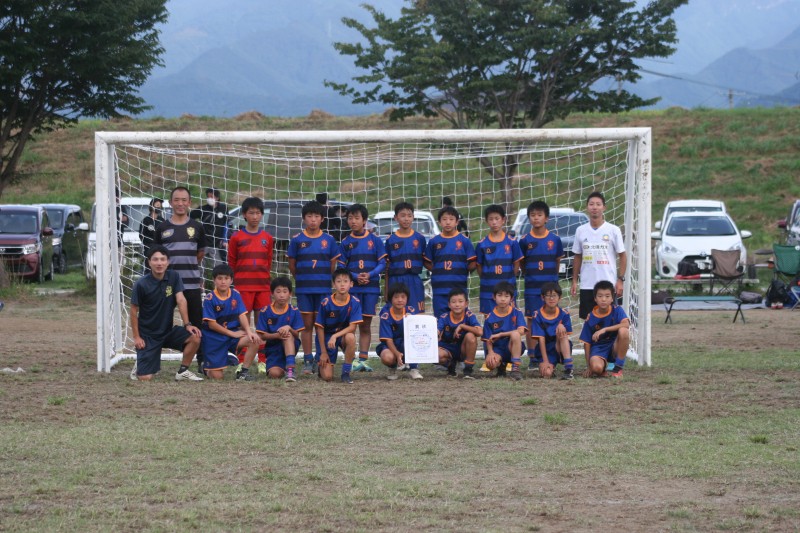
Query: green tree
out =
(506, 63)
(63, 59)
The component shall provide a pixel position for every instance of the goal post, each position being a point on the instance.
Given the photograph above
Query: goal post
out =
(378, 169)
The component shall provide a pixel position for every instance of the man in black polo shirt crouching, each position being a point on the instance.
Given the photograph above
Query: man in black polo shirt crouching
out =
(153, 303)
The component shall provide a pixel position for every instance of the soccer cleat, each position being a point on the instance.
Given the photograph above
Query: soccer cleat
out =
(568, 374)
(440, 368)
(515, 375)
(467, 373)
(308, 369)
(532, 363)
(501, 371)
(361, 366)
(134, 377)
(244, 376)
(187, 375)
(485, 368)
(262, 368)
(414, 373)
(347, 379)
(290, 375)
(617, 373)
(392, 375)
(508, 367)
(238, 368)
(451, 368)
(315, 367)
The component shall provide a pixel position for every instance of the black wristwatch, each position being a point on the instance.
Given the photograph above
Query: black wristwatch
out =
(621, 278)
(187, 324)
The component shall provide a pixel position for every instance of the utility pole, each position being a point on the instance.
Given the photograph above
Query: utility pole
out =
(730, 98)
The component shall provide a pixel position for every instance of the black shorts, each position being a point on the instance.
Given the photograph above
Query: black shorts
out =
(587, 303)
(148, 360)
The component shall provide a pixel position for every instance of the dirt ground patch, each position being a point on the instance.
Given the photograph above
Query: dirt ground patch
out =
(53, 339)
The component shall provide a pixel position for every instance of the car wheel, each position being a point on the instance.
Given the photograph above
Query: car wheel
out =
(62, 264)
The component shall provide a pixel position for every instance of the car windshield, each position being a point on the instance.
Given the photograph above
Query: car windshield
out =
(561, 225)
(694, 209)
(18, 222)
(700, 226)
(56, 217)
(387, 226)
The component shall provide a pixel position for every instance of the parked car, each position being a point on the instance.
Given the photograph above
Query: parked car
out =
(690, 236)
(70, 230)
(424, 222)
(283, 219)
(564, 222)
(690, 206)
(135, 209)
(791, 224)
(26, 242)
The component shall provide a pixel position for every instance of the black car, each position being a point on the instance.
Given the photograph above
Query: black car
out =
(26, 242)
(70, 231)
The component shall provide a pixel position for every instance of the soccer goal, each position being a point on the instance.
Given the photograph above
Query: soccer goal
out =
(474, 168)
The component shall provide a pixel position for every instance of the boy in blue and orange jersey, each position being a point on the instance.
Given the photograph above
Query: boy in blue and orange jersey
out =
(227, 327)
(605, 333)
(279, 326)
(551, 327)
(541, 256)
(498, 257)
(336, 323)
(503, 333)
(450, 257)
(312, 257)
(459, 332)
(392, 335)
(405, 249)
(364, 256)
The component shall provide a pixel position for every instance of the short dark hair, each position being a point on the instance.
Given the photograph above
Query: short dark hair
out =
(538, 205)
(397, 288)
(252, 203)
(447, 201)
(280, 281)
(179, 188)
(403, 205)
(154, 200)
(457, 291)
(222, 269)
(504, 286)
(551, 286)
(341, 271)
(313, 208)
(213, 191)
(447, 210)
(157, 248)
(321, 197)
(358, 208)
(494, 208)
(604, 285)
(596, 194)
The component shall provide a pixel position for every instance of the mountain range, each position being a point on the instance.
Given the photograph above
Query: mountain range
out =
(223, 59)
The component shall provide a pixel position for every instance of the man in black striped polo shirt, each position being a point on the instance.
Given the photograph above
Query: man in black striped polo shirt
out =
(186, 241)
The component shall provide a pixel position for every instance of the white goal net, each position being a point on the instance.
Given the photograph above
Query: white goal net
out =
(377, 169)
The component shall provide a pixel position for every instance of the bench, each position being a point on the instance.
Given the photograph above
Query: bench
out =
(672, 300)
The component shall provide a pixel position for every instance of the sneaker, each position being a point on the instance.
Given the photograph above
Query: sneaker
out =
(617, 374)
(485, 368)
(347, 379)
(451, 368)
(262, 368)
(134, 377)
(392, 375)
(290, 375)
(414, 373)
(244, 376)
(501, 371)
(187, 375)
(568, 374)
(516, 375)
(467, 373)
(308, 369)
(403, 368)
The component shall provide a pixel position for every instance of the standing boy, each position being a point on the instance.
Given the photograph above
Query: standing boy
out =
(605, 333)
(458, 334)
(364, 256)
(312, 257)
(405, 249)
(550, 329)
(336, 323)
(153, 301)
(542, 252)
(279, 326)
(597, 246)
(186, 241)
(450, 257)
(498, 257)
(503, 331)
(226, 323)
(391, 349)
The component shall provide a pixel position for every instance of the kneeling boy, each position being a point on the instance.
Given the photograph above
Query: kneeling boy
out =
(503, 331)
(392, 336)
(459, 331)
(226, 323)
(605, 333)
(551, 327)
(336, 323)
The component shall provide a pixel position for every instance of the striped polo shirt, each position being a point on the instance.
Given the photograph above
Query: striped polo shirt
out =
(183, 242)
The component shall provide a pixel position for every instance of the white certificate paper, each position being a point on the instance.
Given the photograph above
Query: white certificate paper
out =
(421, 339)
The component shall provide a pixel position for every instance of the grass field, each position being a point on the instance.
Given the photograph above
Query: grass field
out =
(706, 439)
